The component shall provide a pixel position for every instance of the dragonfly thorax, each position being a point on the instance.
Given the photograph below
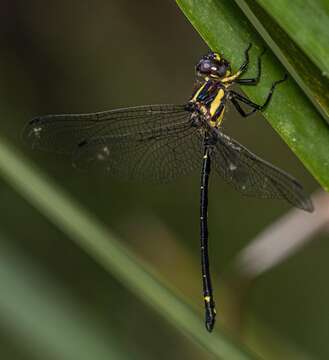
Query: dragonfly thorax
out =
(209, 101)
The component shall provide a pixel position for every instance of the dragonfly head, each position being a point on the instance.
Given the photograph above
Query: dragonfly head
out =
(213, 65)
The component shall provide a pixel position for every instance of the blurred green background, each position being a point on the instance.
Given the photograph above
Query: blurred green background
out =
(56, 302)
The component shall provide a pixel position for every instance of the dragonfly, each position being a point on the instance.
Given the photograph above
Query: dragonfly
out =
(158, 143)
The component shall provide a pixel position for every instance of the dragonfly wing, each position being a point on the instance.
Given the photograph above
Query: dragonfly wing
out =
(151, 156)
(253, 176)
(63, 133)
(153, 142)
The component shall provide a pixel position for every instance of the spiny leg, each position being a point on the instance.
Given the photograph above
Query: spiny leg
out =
(243, 68)
(241, 111)
(245, 64)
(235, 97)
(253, 81)
(210, 311)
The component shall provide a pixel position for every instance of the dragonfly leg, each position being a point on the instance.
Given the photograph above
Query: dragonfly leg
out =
(241, 111)
(245, 64)
(253, 81)
(256, 107)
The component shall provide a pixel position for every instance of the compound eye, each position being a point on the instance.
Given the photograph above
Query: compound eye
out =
(222, 70)
(205, 66)
(223, 67)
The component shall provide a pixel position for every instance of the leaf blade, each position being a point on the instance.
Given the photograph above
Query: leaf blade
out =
(307, 23)
(308, 76)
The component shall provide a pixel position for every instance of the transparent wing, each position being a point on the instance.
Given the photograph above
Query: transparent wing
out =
(253, 176)
(155, 142)
(62, 133)
(158, 158)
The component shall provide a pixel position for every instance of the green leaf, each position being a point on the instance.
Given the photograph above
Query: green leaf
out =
(225, 28)
(308, 76)
(94, 238)
(306, 22)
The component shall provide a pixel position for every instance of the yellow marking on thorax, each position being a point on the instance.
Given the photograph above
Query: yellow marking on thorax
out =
(198, 92)
(218, 120)
(207, 299)
(215, 122)
(216, 102)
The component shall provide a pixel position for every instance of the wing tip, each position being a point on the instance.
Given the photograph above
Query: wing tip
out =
(307, 205)
(31, 131)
